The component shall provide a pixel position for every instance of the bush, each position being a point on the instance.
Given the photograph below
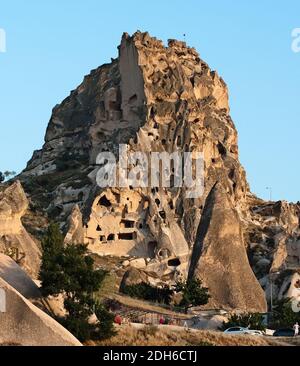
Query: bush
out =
(251, 320)
(145, 291)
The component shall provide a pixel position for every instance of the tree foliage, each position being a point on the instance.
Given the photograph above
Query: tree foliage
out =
(147, 292)
(68, 270)
(193, 293)
(283, 314)
(245, 320)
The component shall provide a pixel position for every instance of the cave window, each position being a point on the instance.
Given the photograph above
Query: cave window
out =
(101, 136)
(213, 160)
(162, 214)
(132, 99)
(98, 228)
(178, 140)
(127, 236)
(152, 113)
(231, 173)
(221, 149)
(104, 202)
(127, 223)
(157, 201)
(172, 180)
(163, 141)
(171, 205)
(114, 106)
(155, 125)
(175, 262)
(102, 237)
(164, 253)
(111, 237)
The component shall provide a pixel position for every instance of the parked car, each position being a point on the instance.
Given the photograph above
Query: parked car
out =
(242, 330)
(284, 332)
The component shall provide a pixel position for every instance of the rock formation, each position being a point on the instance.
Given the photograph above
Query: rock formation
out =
(24, 324)
(14, 239)
(156, 98)
(219, 256)
(11, 273)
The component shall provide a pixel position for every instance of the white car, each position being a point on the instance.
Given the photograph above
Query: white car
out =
(241, 330)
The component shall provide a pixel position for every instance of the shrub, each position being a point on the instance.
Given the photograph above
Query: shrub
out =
(145, 291)
(251, 320)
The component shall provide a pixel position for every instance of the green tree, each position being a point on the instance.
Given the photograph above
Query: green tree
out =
(245, 320)
(193, 293)
(2, 177)
(283, 314)
(68, 270)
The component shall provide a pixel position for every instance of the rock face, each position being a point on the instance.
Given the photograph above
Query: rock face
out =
(272, 231)
(219, 256)
(75, 233)
(11, 273)
(14, 239)
(24, 324)
(156, 98)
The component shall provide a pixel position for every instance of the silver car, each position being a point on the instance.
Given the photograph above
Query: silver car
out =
(242, 330)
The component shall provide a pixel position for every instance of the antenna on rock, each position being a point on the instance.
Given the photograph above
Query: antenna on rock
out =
(270, 190)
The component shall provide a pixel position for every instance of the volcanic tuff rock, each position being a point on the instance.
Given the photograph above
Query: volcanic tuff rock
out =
(11, 273)
(158, 98)
(24, 324)
(14, 239)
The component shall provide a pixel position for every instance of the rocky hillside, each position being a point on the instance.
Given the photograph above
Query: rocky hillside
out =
(157, 98)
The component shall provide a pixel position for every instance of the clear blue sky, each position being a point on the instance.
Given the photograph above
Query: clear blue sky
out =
(51, 45)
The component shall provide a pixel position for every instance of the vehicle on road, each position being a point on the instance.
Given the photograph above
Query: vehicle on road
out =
(242, 330)
(284, 332)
